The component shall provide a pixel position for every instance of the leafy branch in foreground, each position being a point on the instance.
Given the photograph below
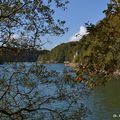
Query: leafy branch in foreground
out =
(29, 20)
(33, 92)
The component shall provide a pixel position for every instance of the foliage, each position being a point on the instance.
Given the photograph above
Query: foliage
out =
(30, 91)
(100, 51)
(29, 20)
(101, 45)
(62, 52)
(9, 54)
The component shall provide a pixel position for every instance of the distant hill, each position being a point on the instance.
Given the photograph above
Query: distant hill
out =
(61, 53)
(20, 55)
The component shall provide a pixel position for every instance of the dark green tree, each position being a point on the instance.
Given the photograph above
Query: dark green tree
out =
(29, 19)
(101, 49)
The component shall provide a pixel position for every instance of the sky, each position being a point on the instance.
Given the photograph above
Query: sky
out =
(77, 14)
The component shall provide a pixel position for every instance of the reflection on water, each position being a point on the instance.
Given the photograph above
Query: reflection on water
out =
(42, 89)
(103, 102)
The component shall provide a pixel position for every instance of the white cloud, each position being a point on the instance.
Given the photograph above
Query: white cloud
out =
(79, 35)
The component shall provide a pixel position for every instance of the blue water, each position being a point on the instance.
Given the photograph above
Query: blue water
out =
(103, 102)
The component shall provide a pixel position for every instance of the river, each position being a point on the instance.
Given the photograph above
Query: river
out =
(103, 102)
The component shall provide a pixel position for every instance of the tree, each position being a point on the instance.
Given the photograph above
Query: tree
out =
(33, 92)
(115, 1)
(101, 49)
(27, 91)
(30, 19)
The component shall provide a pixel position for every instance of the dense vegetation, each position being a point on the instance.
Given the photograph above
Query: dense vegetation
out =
(61, 53)
(22, 94)
(101, 46)
(99, 51)
(19, 55)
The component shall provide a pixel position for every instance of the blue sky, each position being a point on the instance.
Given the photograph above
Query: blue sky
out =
(77, 14)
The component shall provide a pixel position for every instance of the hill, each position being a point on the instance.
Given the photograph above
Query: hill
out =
(62, 52)
(20, 55)
(101, 46)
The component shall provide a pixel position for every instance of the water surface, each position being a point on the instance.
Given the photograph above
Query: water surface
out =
(103, 102)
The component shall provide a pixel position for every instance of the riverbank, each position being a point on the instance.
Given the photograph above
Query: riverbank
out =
(73, 65)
